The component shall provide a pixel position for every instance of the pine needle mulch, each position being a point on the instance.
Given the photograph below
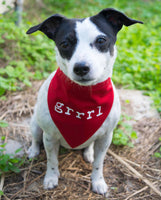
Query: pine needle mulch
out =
(131, 173)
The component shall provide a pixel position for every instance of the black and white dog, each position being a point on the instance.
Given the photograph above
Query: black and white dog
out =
(78, 106)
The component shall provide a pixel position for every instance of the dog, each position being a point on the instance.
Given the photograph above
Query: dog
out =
(78, 106)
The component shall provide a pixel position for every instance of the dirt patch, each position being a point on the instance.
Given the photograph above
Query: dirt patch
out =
(137, 105)
(74, 183)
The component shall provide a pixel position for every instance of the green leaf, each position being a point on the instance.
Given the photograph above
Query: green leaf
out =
(114, 188)
(127, 101)
(10, 71)
(15, 169)
(3, 145)
(18, 150)
(2, 91)
(130, 144)
(1, 193)
(14, 160)
(3, 2)
(27, 82)
(157, 155)
(3, 138)
(134, 135)
(3, 124)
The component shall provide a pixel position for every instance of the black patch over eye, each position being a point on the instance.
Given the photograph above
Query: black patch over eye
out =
(102, 43)
(66, 39)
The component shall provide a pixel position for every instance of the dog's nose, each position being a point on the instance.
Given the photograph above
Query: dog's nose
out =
(81, 69)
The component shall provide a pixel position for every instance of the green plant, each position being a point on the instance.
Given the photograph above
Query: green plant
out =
(23, 58)
(158, 154)
(142, 68)
(12, 77)
(123, 134)
(9, 162)
(3, 124)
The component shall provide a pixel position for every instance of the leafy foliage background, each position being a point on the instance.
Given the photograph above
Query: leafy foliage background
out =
(25, 58)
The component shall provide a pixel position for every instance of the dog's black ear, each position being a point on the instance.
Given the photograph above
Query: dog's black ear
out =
(117, 19)
(49, 26)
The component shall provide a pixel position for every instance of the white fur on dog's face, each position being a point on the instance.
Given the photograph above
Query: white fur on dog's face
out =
(100, 63)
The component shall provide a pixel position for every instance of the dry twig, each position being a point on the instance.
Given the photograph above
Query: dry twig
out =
(136, 173)
(20, 191)
(137, 192)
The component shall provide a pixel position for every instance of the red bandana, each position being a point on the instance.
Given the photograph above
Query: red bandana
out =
(78, 111)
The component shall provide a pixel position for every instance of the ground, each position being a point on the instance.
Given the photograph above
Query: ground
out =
(131, 173)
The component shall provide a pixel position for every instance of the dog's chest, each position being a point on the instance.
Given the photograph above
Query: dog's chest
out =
(78, 111)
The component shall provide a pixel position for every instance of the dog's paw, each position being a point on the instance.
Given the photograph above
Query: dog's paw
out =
(99, 186)
(33, 151)
(89, 154)
(88, 157)
(50, 182)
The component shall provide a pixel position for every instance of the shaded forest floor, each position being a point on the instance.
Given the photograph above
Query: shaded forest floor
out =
(131, 173)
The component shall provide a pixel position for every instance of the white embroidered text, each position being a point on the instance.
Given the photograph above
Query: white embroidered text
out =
(66, 110)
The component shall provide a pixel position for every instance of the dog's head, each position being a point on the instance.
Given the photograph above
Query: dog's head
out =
(85, 47)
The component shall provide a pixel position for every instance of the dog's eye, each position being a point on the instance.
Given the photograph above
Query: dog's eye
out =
(101, 40)
(102, 43)
(64, 45)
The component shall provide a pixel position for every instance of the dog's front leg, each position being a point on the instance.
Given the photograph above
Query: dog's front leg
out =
(52, 174)
(100, 148)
